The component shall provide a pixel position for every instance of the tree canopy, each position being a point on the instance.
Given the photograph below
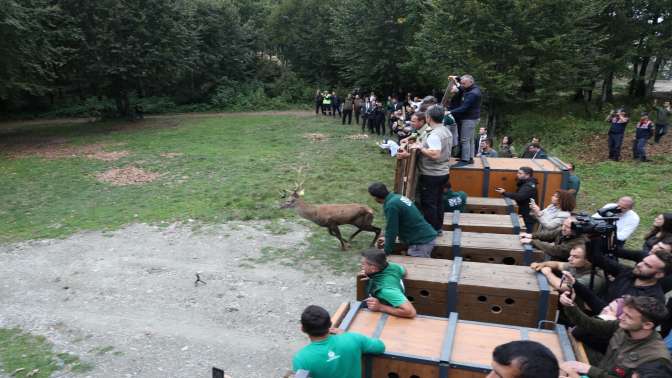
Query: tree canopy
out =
(215, 51)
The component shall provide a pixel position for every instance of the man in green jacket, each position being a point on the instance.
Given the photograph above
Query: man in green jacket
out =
(405, 221)
(634, 339)
(384, 288)
(329, 355)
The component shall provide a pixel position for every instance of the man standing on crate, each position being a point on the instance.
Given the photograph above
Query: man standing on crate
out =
(526, 194)
(332, 353)
(434, 166)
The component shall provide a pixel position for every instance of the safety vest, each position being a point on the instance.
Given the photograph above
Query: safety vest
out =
(327, 100)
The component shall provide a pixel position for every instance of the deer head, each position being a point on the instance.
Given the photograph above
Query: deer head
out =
(291, 197)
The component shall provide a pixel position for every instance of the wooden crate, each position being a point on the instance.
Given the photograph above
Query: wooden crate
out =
(487, 223)
(486, 174)
(494, 293)
(480, 247)
(405, 175)
(490, 205)
(433, 347)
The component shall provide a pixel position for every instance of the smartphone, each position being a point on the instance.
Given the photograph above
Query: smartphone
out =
(532, 202)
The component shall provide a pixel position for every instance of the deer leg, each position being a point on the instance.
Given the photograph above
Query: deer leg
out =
(337, 233)
(375, 230)
(359, 229)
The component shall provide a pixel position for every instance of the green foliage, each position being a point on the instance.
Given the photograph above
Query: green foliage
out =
(22, 353)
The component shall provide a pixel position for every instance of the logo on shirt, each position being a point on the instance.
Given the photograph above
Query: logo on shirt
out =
(406, 201)
(332, 356)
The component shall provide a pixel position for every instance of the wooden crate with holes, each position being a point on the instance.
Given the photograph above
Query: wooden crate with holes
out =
(490, 205)
(487, 223)
(481, 247)
(486, 174)
(434, 347)
(495, 293)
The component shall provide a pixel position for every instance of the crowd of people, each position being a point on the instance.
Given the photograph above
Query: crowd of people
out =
(617, 310)
(644, 130)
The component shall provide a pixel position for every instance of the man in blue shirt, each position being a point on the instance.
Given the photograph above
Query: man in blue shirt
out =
(618, 120)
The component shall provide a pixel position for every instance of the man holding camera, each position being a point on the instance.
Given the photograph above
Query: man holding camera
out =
(556, 243)
(618, 120)
(467, 114)
(628, 220)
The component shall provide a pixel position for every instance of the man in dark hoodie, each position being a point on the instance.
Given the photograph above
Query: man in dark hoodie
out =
(527, 192)
(468, 113)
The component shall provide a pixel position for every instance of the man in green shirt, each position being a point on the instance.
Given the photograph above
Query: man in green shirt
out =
(328, 355)
(385, 288)
(405, 221)
(573, 181)
(453, 200)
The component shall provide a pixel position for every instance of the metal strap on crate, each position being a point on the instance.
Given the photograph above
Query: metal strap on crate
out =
(528, 254)
(380, 325)
(447, 347)
(453, 280)
(562, 167)
(457, 241)
(544, 292)
(486, 176)
(456, 219)
(515, 221)
(354, 307)
(565, 343)
(510, 207)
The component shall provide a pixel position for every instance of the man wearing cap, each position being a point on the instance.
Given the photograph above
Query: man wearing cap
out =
(384, 287)
(643, 131)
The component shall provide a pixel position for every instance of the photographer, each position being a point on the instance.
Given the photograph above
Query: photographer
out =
(618, 120)
(557, 243)
(628, 220)
(578, 266)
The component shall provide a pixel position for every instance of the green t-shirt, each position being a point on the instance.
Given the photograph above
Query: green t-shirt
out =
(573, 182)
(454, 201)
(405, 221)
(337, 356)
(386, 285)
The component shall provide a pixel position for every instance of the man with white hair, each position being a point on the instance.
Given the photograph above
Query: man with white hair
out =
(468, 114)
(628, 220)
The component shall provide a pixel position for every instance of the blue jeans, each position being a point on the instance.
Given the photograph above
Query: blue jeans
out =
(639, 148)
(615, 143)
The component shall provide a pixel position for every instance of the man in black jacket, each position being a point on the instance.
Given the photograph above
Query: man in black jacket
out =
(526, 193)
(467, 114)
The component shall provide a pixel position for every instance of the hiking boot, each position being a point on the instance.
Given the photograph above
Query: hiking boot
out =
(462, 163)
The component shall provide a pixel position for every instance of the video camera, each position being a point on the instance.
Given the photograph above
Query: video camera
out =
(604, 225)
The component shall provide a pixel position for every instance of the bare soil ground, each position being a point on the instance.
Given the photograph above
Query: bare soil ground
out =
(127, 302)
(596, 149)
(58, 148)
(129, 175)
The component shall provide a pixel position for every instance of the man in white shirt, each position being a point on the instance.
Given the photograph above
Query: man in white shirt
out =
(628, 220)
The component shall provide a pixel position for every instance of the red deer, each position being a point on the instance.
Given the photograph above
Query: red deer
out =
(332, 216)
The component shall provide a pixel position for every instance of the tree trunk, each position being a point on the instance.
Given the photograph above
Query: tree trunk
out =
(653, 75)
(121, 100)
(633, 79)
(607, 88)
(640, 84)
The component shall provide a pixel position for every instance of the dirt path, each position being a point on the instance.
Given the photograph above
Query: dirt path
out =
(126, 300)
(11, 125)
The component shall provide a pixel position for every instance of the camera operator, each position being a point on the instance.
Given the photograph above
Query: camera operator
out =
(578, 266)
(556, 243)
(618, 120)
(628, 220)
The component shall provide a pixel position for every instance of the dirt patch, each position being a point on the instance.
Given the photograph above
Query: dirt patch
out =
(58, 148)
(315, 137)
(130, 175)
(170, 155)
(596, 149)
(127, 302)
(357, 137)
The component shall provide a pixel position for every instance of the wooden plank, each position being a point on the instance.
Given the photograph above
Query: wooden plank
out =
(485, 223)
(339, 314)
(426, 338)
(474, 343)
(365, 322)
(579, 349)
(488, 205)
